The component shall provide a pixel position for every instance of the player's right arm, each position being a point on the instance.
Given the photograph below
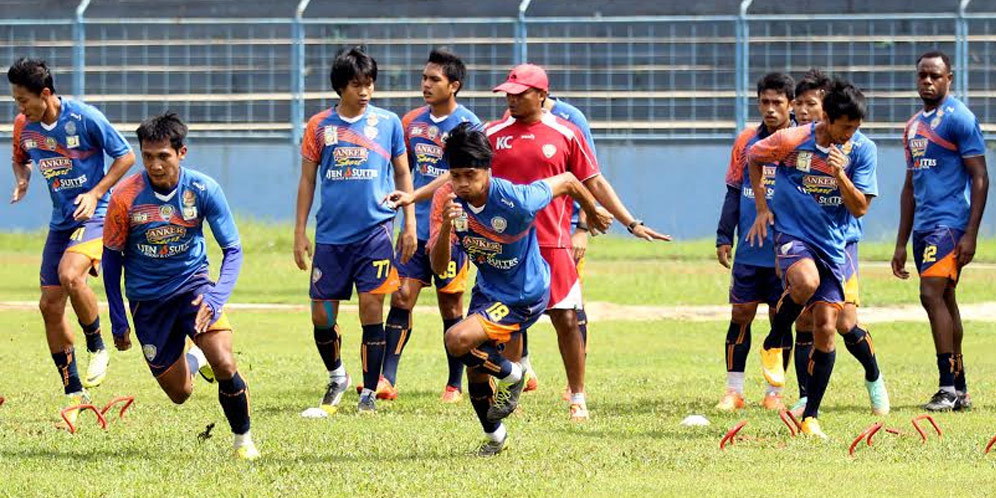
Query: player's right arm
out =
(729, 216)
(115, 238)
(906, 206)
(770, 150)
(444, 210)
(20, 163)
(310, 156)
(598, 218)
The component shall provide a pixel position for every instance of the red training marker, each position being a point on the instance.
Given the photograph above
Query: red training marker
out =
(731, 434)
(81, 408)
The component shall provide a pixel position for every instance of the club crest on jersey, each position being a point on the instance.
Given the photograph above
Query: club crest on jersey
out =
(549, 150)
(72, 141)
(372, 119)
(189, 205)
(803, 161)
(499, 224)
(934, 123)
(70, 128)
(433, 131)
(331, 135)
(460, 223)
(166, 212)
(149, 351)
(370, 132)
(50, 143)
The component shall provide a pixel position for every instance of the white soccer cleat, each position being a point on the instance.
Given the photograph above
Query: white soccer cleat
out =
(96, 370)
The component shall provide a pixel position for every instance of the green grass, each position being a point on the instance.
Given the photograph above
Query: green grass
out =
(643, 378)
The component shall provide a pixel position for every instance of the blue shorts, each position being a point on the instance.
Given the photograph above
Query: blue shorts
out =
(367, 264)
(789, 251)
(850, 272)
(934, 252)
(86, 239)
(755, 284)
(162, 326)
(454, 281)
(501, 320)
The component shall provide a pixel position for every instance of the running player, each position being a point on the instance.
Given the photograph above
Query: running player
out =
(155, 231)
(359, 152)
(826, 172)
(426, 129)
(753, 279)
(493, 220)
(942, 204)
(532, 144)
(808, 106)
(66, 140)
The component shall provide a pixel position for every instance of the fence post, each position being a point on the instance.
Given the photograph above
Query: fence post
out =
(741, 68)
(961, 52)
(297, 78)
(79, 51)
(521, 49)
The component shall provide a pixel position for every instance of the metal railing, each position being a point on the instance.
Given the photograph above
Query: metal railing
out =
(667, 77)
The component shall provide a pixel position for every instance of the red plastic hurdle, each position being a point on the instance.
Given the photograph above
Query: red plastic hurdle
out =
(82, 408)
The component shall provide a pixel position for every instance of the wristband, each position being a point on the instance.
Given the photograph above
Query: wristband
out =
(633, 224)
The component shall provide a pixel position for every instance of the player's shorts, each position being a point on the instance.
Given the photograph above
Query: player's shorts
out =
(86, 239)
(934, 252)
(367, 264)
(850, 269)
(162, 326)
(454, 281)
(790, 251)
(501, 320)
(565, 285)
(751, 284)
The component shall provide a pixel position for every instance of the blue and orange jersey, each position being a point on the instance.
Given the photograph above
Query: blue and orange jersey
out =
(936, 142)
(70, 155)
(354, 170)
(162, 236)
(807, 203)
(424, 137)
(500, 238)
(738, 178)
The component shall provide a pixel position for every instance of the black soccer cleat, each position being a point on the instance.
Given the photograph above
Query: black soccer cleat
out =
(506, 399)
(941, 401)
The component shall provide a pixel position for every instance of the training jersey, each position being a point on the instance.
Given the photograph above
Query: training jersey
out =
(526, 153)
(500, 238)
(162, 236)
(807, 203)
(354, 167)
(738, 177)
(424, 138)
(70, 155)
(574, 116)
(935, 143)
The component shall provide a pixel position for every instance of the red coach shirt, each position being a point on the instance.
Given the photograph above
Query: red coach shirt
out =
(548, 147)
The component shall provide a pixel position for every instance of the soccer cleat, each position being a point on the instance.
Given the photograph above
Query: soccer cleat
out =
(96, 371)
(730, 401)
(964, 401)
(333, 395)
(506, 399)
(247, 451)
(799, 407)
(386, 391)
(206, 372)
(532, 381)
(451, 395)
(941, 401)
(878, 396)
(74, 399)
(579, 412)
(490, 448)
(772, 366)
(367, 404)
(773, 401)
(811, 427)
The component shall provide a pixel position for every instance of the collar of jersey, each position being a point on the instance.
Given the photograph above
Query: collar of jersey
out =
(353, 120)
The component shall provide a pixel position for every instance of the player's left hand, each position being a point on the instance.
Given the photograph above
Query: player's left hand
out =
(599, 220)
(205, 315)
(836, 159)
(20, 190)
(398, 199)
(86, 204)
(646, 233)
(964, 251)
(407, 244)
(123, 342)
(579, 244)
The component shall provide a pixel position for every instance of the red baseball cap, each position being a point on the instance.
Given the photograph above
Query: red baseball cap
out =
(522, 78)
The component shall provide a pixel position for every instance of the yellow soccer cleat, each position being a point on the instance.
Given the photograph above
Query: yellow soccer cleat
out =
(731, 401)
(811, 427)
(772, 366)
(773, 401)
(74, 399)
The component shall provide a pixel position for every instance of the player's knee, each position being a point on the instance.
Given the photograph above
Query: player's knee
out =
(804, 322)
(404, 297)
(823, 337)
(564, 321)
(743, 314)
(931, 297)
(178, 395)
(224, 369)
(450, 306)
(846, 321)
(455, 342)
(71, 281)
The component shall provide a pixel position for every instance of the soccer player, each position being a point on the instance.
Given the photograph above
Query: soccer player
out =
(358, 151)
(66, 140)
(493, 220)
(942, 203)
(826, 172)
(808, 106)
(426, 129)
(532, 144)
(155, 231)
(753, 279)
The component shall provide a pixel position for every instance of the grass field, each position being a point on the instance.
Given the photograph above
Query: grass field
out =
(643, 378)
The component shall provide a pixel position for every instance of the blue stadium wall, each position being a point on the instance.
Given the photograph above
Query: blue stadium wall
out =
(675, 187)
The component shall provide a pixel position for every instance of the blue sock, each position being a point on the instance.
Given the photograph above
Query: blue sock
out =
(398, 330)
(787, 349)
(372, 354)
(65, 361)
(788, 311)
(233, 394)
(94, 342)
(489, 359)
(737, 347)
(583, 327)
(803, 346)
(327, 340)
(481, 396)
(858, 342)
(946, 369)
(820, 368)
(959, 379)
(525, 343)
(454, 364)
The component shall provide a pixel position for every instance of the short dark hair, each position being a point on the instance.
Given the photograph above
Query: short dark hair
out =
(351, 63)
(467, 147)
(814, 79)
(32, 74)
(167, 125)
(935, 53)
(844, 99)
(453, 67)
(779, 82)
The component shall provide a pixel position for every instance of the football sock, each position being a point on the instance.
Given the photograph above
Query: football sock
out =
(487, 357)
(583, 327)
(737, 347)
(94, 342)
(372, 354)
(525, 343)
(233, 394)
(65, 361)
(735, 382)
(821, 366)
(787, 350)
(803, 346)
(481, 395)
(577, 399)
(498, 435)
(859, 343)
(327, 341)
(946, 371)
(455, 377)
(959, 378)
(781, 324)
(195, 359)
(398, 330)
